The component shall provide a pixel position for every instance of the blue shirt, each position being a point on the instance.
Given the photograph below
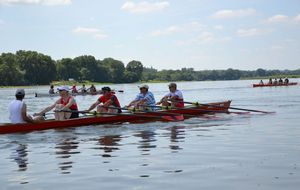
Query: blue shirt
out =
(148, 96)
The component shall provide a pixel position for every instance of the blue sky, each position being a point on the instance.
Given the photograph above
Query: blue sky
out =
(164, 34)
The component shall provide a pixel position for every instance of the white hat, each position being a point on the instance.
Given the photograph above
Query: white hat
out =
(144, 86)
(65, 88)
(20, 92)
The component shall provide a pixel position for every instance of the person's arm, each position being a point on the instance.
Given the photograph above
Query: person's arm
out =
(165, 98)
(137, 98)
(46, 109)
(109, 102)
(93, 106)
(24, 114)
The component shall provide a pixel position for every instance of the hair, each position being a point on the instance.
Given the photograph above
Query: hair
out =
(20, 96)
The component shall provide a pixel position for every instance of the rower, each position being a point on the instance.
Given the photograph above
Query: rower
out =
(108, 99)
(92, 90)
(83, 89)
(65, 106)
(144, 100)
(74, 89)
(18, 109)
(270, 81)
(261, 82)
(51, 90)
(280, 81)
(286, 81)
(174, 98)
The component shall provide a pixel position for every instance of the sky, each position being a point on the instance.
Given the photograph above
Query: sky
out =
(163, 34)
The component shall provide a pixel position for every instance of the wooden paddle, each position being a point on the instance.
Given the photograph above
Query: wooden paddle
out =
(234, 108)
(164, 117)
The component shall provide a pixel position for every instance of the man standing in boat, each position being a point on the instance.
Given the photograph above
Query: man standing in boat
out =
(144, 100)
(108, 99)
(18, 109)
(174, 98)
(65, 106)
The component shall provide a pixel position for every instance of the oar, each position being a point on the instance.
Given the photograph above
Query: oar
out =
(234, 108)
(136, 111)
(164, 117)
(204, 110)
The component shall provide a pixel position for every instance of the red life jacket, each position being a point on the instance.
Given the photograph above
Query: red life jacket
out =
(72, 107)
(110, 96)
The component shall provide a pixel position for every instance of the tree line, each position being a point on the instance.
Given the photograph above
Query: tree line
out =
(33, 68)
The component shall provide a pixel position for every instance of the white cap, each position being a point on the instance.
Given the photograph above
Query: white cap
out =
(65, 88)
(144, 86)
(20, 92)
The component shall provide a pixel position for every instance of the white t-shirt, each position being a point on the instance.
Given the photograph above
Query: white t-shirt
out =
(15, 111)
(177, 93)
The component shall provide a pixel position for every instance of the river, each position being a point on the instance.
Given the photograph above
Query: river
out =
(223, 151)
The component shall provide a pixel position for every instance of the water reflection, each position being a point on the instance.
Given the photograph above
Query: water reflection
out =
(147, 138)
(109, 144)
(20, 157)
(64, 150)
(177, 135)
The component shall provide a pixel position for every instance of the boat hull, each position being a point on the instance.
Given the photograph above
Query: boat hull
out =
(118, 118)
(271, 85)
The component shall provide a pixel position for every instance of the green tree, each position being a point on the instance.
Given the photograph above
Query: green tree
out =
(67, 69)
(87, 65)
(37, 68)
(134, 70)
(116, 69)
(9, 74)
(149, 74)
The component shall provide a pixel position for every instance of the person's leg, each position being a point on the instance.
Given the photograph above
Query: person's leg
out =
(61, 115)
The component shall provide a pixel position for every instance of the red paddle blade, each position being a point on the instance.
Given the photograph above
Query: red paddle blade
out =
(173, 118)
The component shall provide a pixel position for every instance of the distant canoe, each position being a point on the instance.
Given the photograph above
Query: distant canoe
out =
(57, 94)
(271, 85)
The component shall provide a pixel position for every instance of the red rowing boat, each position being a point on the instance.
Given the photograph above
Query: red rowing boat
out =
(270, 85)
(115, 118)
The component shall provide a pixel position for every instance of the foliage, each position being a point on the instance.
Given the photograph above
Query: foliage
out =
(32, 68)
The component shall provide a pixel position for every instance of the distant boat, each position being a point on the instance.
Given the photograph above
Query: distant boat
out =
(270, 85)
(73, 94)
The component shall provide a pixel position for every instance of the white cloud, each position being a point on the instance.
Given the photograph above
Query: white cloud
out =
(36, 2)
(1, 22)
(189, 27)
(297, 18)
(95, 32)
(233, 13)
(277, 18)
(169, 30)
(205, 37)
(277, 47)
(251, 32)
(218, 27)
(144, 7)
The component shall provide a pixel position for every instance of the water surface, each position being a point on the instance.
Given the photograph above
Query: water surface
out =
(224, 151)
